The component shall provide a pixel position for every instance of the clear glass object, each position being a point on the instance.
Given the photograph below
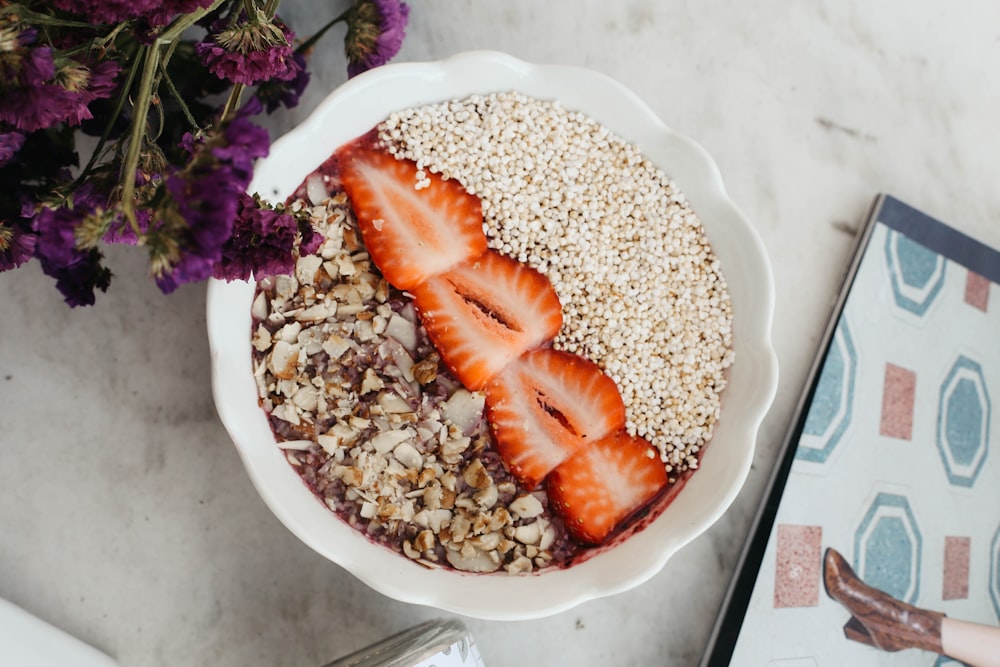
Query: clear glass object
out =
(437, 643)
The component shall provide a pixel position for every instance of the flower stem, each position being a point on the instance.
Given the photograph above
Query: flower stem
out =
(111, 36)
(123, 95)
(140, 110)
(232, 102)
(184, 22)
(76, 50)
(306, 45)
(36, 18)
(101, 42)
(139, 116)
(172, 89)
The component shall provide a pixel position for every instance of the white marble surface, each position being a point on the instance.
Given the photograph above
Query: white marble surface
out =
(125, 514)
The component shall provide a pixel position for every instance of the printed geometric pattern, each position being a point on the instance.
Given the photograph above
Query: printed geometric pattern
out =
(956, 568)
(915, 272)
(963, 427)
(830, 411)
(892, 464)
(797, 570)
(897, 402)
(887, 547)
(977, 291)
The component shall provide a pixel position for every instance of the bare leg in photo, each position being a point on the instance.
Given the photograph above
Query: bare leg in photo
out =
(974, 644)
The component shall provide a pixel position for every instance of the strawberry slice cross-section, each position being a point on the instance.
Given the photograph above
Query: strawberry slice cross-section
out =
(411, 232)
(604, 483)
(555, 416)
(482, 314)
(547, 405)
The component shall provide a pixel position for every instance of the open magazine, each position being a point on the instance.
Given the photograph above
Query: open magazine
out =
(890, 472)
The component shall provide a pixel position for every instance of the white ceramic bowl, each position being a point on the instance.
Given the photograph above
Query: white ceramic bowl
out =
(353, 109)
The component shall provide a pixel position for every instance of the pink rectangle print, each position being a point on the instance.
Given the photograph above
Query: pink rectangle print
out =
(956, 568)
(897, 402)
(797, 570)
(977, 291)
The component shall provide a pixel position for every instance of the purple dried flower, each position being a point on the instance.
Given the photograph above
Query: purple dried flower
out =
(191, 268)
(20, 65)
(206, 199)
(261, 245)
(120, 230)
(12, 39)
(276, 93)
(27, 101)
(78, 279)
(243, 142)
(38, 95)
(103, 80)
(107, 11)
(375, 32)
(101, 83)
(77, 272)
(250, 52)
(155, 12)
(164, 12)
(310, 240)
(10, 144)
(36, 108)
(16, 245)
(56, 230)
(206, 196)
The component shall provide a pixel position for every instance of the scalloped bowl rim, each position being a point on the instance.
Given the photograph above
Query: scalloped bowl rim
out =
(351, 110)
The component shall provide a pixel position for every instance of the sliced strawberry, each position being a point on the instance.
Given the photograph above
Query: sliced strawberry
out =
(410, 234)
(601, 485)
(545, 406)
(482, 314)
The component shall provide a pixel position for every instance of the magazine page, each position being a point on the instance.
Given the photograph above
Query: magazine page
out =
(893, 480)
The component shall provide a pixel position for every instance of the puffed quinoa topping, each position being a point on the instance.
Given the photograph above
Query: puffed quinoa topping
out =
(641, 290)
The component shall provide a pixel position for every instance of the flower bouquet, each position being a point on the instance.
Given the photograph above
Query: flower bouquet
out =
(131, 122)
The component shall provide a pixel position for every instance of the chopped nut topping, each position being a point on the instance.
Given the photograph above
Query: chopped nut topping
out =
(475, 475)
(425, 371)
(394, 445)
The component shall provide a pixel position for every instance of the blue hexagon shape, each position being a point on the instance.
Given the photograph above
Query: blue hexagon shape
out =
(915, 272)
(963, 422)
(995, 573)
(887, 547)
(945, 661)
(830, 409)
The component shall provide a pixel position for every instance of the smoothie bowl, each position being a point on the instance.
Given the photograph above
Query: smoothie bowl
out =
(524, 360)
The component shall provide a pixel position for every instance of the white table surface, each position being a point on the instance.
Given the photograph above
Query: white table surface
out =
(126, 516)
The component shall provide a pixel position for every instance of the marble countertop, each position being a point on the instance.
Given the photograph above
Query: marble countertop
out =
(126, 515)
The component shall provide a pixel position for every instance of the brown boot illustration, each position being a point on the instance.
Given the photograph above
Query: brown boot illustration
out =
(877, 619)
